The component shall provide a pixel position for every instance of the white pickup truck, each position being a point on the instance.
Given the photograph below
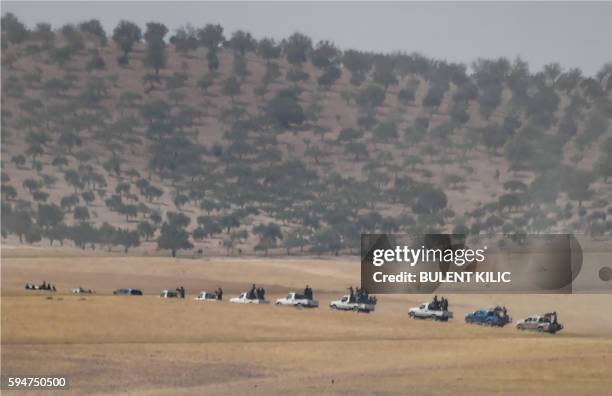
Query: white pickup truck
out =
(297, 300)
(169, 294)
(424, 312)
(243, 299)
(207, 296)
(541, 323)
(344, 304)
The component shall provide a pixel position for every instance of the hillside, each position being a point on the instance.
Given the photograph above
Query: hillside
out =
(219, 143)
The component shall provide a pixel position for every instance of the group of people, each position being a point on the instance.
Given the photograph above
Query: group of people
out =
(502, 312)
(308, 294)
(43, 286)
(360, 295)
(258, 293)
(180, 291)
(551, 317)
(439, 304)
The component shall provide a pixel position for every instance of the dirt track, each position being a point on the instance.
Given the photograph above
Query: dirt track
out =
(144, 345)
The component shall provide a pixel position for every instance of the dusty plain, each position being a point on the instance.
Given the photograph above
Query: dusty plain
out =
(149, 346)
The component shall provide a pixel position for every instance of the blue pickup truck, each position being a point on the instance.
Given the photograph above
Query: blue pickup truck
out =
(489, 317)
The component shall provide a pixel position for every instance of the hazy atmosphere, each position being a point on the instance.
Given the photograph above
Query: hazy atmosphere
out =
(185, 188)
(572, 34)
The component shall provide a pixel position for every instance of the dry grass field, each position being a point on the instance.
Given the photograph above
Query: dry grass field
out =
(148, 346)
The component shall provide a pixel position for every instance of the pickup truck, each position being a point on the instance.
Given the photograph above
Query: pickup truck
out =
(423, 311)
(243, 299)
(344, 304)
(80, 290)
(169, 294)
(489, 317)
(297, 300)
(127, 292)
(207, 296)
(546, 323)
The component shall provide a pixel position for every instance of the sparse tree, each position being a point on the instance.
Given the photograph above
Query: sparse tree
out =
(9, 193)
(268, 234)
(213, 61)
(40, 196)
(386, 131)
(59, 233)
(155, 56)
(49, 216)
(31, 185)
(384, 72)
(240, 67)
(126, 35)
(211, 37)
(359, 64)
(325, 55)
(576, 185)
(146, 230)
(81, 214)
(180, 200)
(94, 28)
(73, 179)
(13, 29)
(88, 197)
(231, 87)
(69, 201)
(371, 96)
(206, 82)
(286, 109)
(19, 160)
(430, 200)
(296, 48)
(44, 34)
(242, 42)
(268, 49)
(128, 211)
(296, 239)
(185, 40)
(173, 238)
(127, 239)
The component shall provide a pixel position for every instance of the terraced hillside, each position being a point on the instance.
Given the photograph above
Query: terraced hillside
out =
(216, 142)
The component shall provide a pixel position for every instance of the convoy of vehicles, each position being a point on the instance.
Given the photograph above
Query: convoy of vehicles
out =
(428, 311)
(297, 300)
(489, 317)
(360, 302)
(546, 323)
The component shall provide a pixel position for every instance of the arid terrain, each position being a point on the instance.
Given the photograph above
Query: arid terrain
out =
(155, 155)
(146, 345)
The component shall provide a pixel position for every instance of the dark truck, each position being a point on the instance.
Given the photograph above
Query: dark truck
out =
(489, 317)
(127, 292)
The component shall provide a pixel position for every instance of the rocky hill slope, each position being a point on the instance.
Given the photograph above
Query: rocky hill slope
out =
(216, 143)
